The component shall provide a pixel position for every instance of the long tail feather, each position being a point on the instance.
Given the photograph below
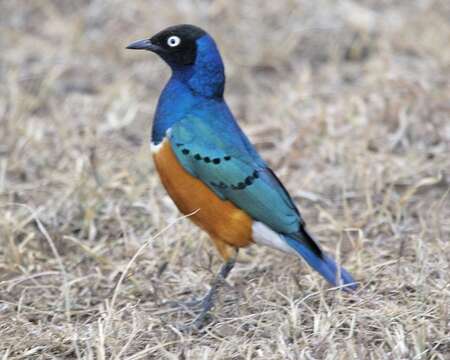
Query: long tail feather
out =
(322, 263)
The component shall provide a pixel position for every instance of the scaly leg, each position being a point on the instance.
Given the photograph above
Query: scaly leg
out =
(208, 301)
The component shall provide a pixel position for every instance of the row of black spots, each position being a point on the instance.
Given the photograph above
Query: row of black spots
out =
(206, 159)
(220, 185)
(247, 182)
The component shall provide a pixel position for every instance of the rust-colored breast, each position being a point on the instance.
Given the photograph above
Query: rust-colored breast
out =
(224, 222)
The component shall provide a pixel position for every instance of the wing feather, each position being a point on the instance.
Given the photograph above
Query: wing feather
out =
(233, 171)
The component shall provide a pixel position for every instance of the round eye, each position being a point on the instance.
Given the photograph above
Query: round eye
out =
(173, 41)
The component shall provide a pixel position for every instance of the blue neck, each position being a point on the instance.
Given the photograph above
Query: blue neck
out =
(175, 101)
(207, 76)
(188, 86)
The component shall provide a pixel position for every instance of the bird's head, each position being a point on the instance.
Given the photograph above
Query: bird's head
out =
(191, 54)
(177, 45)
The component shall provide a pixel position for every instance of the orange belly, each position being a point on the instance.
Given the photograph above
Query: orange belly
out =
(228, 226)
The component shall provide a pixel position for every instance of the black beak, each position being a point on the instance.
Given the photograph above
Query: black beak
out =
(144, 44)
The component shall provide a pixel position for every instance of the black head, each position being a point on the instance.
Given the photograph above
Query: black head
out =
(177, 45)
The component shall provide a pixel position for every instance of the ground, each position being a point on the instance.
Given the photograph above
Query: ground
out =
(348, 101)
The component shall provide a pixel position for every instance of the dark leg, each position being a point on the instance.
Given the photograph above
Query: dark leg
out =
(207, 302)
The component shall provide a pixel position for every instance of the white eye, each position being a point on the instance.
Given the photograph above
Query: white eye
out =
(173, 41)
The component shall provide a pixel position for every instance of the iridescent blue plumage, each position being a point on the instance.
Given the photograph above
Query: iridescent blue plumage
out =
(189, 88)
(210, 145)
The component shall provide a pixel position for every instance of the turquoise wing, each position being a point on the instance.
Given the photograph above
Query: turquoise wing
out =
(229, 165)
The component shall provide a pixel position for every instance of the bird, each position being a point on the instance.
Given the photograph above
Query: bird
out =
(212, 171)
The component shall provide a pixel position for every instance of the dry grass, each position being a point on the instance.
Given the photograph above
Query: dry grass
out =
(350, 103)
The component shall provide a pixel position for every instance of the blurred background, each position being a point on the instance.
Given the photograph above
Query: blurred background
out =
(349, 101)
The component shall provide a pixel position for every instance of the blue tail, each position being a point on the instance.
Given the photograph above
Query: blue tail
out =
(320, 262)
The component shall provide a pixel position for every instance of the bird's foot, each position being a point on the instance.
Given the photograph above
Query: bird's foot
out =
(207, 302)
